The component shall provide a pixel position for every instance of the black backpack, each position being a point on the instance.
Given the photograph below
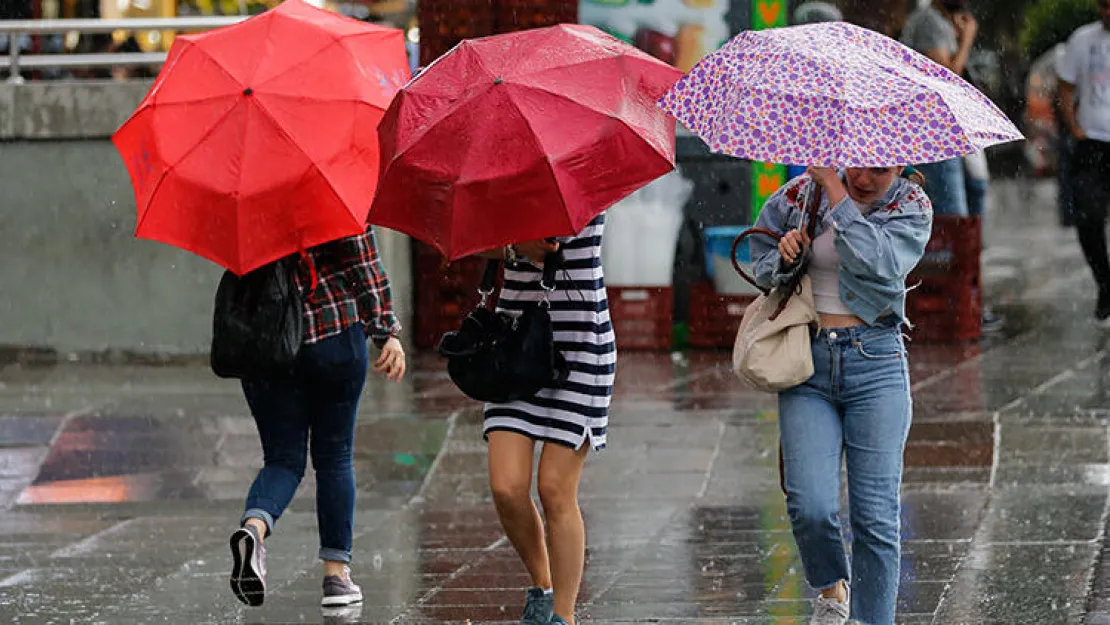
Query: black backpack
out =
(258, 322)
(495, 357)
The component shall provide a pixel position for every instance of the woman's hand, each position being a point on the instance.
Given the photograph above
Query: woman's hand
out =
(967, 27)
(830, 181)
(792, 244)
(537, 250)
(391, 362)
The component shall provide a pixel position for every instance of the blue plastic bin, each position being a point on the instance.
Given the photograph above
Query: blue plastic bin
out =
(718, 242)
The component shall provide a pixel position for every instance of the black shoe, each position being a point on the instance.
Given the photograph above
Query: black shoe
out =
(248, 569)
(1102, 309)
(991, 321)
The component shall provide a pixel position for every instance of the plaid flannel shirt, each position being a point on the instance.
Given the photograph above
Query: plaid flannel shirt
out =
(351, 286)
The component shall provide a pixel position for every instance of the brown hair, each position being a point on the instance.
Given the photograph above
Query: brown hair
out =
(914, 175)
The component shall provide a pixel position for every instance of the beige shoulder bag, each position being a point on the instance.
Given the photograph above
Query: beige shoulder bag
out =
(772, 350)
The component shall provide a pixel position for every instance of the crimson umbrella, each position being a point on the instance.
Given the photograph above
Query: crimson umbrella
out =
(522, 136)
(259, 139)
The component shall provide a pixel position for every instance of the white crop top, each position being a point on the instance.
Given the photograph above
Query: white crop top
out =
(824, 268)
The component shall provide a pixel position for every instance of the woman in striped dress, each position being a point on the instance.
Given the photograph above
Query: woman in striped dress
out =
(570, 420)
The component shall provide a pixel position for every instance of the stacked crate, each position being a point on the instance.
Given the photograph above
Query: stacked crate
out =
(443, 294)
(642, 316)
(444, 23)
(945, 303)
(714, 319)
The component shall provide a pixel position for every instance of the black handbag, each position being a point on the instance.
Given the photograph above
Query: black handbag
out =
(499, 358)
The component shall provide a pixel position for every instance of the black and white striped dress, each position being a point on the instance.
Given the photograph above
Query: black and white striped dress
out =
(578, 410)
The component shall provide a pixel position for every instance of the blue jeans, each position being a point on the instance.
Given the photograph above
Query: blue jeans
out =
(976, 191)
(857, 404)
(313, 406)
(944, 184)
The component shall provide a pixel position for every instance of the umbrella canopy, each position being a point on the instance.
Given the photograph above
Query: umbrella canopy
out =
(833, 94)
(522, 136)
(259, 139)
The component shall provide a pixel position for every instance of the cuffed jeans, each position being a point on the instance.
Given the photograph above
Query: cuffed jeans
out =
(857, 405)
(311, 407)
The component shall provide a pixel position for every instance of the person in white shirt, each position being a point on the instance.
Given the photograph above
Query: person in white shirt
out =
(1084, 90)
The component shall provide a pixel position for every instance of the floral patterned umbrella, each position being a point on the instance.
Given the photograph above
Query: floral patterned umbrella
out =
(831, 95)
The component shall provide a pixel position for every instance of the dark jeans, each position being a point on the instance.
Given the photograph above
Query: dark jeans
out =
(313, 407)
(1090, 166)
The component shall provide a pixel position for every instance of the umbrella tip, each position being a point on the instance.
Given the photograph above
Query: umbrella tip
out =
(498, 80)
(248, 91)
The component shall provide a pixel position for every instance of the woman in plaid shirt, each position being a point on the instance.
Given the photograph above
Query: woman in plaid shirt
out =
(313, 407)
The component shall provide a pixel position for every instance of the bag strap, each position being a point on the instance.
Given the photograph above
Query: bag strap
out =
(489, 281)
(551, 264)
(812, 209)
(814, 199)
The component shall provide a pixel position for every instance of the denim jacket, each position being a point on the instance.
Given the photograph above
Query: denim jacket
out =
(878, 247)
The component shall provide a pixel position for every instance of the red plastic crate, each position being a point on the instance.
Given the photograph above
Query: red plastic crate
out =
(954, 248)
(715, 319)
(444, 23)
(945, 304)
(512, 15)
(443, 294)
(643, 317)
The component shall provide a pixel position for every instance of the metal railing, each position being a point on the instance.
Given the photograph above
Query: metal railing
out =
(16, 61)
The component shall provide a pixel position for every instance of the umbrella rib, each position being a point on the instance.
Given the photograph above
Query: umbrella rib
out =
(194, 102)
(561, 96)
(281, 129)
(430, 124)
(311, 57)
(170, 167)
(258, 58)
(309, 98)
(547, 161)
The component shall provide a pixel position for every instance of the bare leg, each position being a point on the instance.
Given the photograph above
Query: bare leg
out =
(510, 479)
(560, 471)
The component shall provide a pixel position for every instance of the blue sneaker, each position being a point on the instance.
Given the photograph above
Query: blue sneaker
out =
(538, 607)
(557, 620)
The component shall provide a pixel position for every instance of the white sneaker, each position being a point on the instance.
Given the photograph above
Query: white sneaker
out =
(830, 611)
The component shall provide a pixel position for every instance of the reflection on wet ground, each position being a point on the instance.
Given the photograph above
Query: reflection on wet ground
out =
(120, 486)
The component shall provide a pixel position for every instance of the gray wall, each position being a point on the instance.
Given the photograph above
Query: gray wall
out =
(73, 276)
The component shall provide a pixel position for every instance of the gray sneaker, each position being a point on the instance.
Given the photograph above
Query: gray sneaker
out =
(830, 611)
(339, 590)
(248, 568)
(538, 607)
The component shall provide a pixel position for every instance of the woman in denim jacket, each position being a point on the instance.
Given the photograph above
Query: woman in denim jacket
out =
(872, 230)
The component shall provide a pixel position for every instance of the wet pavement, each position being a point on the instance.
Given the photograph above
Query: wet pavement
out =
(120, 485)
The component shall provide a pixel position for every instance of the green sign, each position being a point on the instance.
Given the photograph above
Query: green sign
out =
(766, 177)
(768, 14)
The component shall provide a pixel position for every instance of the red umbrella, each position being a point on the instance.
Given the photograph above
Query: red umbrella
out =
(522, 136)
(259, 139)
